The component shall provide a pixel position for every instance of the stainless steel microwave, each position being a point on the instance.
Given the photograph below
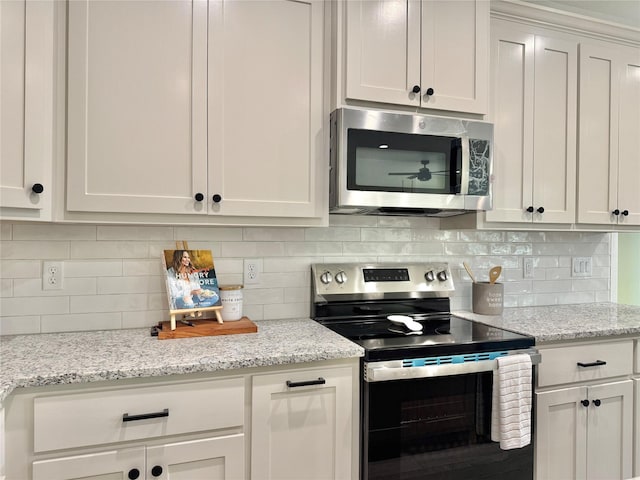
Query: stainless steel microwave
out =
(404, 164)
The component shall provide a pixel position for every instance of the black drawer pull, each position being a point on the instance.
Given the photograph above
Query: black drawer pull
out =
(319, 381)
(597, 363)
(143, 416)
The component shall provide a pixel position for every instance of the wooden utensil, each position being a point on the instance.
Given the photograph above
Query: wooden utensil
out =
(468, 269)
(494, 273)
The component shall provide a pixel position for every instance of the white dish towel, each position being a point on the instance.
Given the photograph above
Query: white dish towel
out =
(511, 402)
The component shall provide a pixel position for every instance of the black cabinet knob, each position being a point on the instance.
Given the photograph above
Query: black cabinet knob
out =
(430, 91)
(416, 89)
(156, 471)
(540, 209)
(133, 474)
(597, 402)
(585, 403)
(530, 209)
(37, 188)
(199, 197)
(616, 212)
(216, 198)
(625, 212)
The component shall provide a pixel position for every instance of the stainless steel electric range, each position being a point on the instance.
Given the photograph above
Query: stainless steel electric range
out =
(426, 382)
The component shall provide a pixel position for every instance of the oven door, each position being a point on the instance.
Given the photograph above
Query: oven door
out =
(436, 428)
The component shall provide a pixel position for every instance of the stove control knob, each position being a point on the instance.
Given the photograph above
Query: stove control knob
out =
(429, 276)
(326, 278)
(341, 277)
(442, 276)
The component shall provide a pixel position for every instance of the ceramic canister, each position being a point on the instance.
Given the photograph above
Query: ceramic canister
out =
(231, 298)
(487, 298)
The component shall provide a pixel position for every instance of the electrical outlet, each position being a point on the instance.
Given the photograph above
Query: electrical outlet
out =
(52, 275)
(581, 267)
(252, 270)
(528, 268)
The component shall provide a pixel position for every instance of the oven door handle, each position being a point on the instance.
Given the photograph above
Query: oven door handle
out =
(395, 370)
(466, 165)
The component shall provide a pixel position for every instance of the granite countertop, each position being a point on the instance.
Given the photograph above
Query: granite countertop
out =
(556, 323)
(79, 357)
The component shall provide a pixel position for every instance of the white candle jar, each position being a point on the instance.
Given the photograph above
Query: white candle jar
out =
(231, 298)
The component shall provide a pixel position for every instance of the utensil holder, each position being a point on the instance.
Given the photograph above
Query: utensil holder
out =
(487, 298)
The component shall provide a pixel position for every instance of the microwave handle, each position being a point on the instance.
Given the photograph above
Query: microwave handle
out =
(466, 165)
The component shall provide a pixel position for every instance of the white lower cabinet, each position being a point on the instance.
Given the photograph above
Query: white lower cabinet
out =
(585, 412)
(585, 432)
(189, 427)
(219, 458)
(302, 425)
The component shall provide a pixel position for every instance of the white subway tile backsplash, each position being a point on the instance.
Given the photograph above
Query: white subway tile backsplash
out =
(113, 275)
(19, 325)
(5, 231)
(109, 249)
(50, 232)
(20, 268)
(41, 249)
(27, 287)
(134, 233)
(84, 322)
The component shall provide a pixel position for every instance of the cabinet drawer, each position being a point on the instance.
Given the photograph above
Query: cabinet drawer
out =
(560, 365)
(83, 419)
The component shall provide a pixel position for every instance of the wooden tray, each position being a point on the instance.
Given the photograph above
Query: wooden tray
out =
(205, 328)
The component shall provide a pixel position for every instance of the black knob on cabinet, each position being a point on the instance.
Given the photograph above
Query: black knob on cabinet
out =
(416, 89)
(199, 197)
(430, 91)
(133, 474)
(625, 212)
(216, 198)
(597, 402)
(585, 403)
(530, 209)
(616, 212)
(156, 471)
(540, 209)
(37, 188)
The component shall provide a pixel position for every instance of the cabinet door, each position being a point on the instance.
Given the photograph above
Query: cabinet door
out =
(561, 434)
(383, 51)
(219, 458)
(26, 108)
(555, 129)
(629, 139)
(110, 465)
(455, 60)
(137, 113)
(267, 150)
(302, 431)
(512, 72)
(610, 431)
(598, 148)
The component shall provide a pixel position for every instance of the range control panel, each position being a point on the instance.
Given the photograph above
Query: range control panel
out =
(353, 278)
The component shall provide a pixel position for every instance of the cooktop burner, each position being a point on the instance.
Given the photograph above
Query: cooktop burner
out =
(355, 301)
(383, 340)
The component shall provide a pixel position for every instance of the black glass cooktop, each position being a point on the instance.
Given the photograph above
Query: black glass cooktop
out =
(443, 335)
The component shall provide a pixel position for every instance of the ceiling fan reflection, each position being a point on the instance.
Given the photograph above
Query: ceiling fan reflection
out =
(423, 174)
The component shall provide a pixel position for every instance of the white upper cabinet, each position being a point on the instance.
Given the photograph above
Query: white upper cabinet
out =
(137, 114)
(534, 111)
(609, 173)
(267, 154)
(26, 109)
(430, 54)
(195, 107)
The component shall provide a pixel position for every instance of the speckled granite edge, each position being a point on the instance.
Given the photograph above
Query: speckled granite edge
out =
(81, 357)
(556, 323)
